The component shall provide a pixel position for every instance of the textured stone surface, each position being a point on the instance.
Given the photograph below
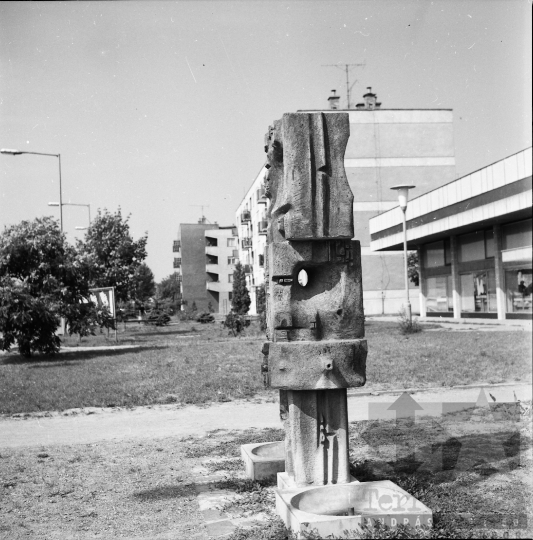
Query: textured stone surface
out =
(317, 365)
(315, 319)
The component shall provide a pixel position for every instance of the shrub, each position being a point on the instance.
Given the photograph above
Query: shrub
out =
(236, 323)
(408, 326)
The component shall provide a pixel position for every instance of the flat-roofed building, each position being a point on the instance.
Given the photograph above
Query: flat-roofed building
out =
(474, 239)
(386, 147)
(389, 147)
(205, 255)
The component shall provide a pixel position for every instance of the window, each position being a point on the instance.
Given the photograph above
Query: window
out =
(518, 287)
(489, 244)
(231, 242)
(517, 235)
(230, 296)
(472, 246)
(434, 255)
(230, 278)
(232, 260)
(439, 293)
(478, 292)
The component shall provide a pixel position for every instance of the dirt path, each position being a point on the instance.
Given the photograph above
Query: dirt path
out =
(94, 425)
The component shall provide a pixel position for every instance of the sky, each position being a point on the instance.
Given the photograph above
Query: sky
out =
(161, 107)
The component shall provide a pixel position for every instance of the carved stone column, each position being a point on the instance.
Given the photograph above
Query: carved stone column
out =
(315, 319)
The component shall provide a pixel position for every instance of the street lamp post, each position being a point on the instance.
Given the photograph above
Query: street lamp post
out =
(74, 204)
(58, 156)
(403, 194)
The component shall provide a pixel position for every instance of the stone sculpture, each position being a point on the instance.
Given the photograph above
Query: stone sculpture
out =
(315, 321)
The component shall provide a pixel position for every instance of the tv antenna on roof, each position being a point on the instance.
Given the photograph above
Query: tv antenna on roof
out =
(346, 68)
(202, 206)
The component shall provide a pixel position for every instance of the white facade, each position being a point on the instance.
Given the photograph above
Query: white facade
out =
(220, 247)
(251, 226)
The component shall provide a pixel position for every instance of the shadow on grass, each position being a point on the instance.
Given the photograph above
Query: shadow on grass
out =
(43, 361)
(163, 493)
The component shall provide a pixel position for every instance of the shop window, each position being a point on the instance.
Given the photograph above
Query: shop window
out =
(439, 293)
(518, 285)
(478, 292)
(472, 247)
(517, 235)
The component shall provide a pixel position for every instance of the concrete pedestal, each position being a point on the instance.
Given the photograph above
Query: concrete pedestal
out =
(263, 460)
(332, 509)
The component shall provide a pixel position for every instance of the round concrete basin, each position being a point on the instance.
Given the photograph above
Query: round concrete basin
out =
(350, 500)
(275, 450)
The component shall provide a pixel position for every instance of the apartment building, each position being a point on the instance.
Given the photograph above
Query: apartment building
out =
(386, 147)
(252, 227)
(205, 255)
(221, 256)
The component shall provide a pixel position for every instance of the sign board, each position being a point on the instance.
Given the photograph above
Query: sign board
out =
(104, 296)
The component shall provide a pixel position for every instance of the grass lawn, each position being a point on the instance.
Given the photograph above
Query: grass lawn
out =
(475, 473)
(195, 363)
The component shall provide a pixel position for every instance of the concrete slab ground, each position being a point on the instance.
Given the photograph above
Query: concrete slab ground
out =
(91, 426)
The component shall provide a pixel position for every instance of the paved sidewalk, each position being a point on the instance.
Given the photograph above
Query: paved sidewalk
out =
(173, 421)
(462, 325)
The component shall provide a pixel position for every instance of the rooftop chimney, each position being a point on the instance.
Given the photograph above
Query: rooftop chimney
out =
(370, 99)
(333, 101)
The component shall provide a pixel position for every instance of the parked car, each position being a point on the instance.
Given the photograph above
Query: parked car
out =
(205, 318)
(157, 317)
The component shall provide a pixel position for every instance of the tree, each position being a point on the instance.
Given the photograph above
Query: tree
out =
(169, 288)
(260, 301)
(144, 284)
(42, 279)
(114, 255)
(412, 267)
(240, 302)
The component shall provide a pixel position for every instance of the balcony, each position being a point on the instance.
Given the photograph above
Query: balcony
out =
(261, 198)
(176, 246)
(211, 250)
(177, 263)
(215, 286)
(246, 243)
(246, 216)
(212, 268)
(262, 227)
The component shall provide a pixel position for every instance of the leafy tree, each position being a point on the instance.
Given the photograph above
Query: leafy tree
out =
(42, 279)
(169, 288)
(114, 255)
(412, 267)
(240, 302)
(144, 284)
(260, 300)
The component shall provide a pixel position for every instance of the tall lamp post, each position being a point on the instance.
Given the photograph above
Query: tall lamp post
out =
(403, 195)
(18, 152)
